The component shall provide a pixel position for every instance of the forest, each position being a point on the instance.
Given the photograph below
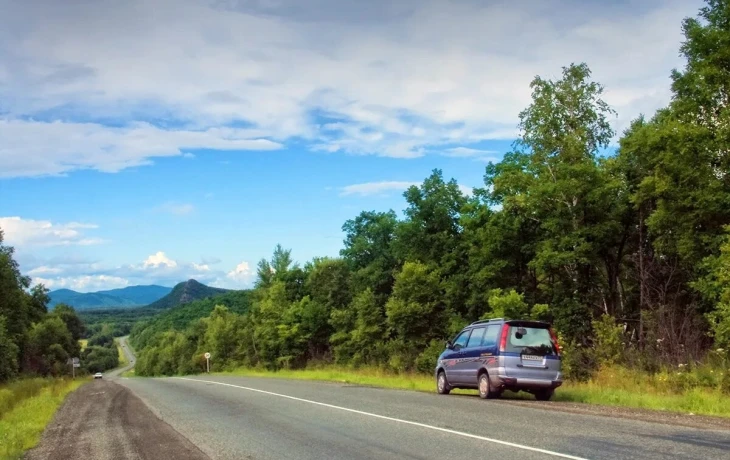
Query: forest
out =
(38, 342)
(620, 240)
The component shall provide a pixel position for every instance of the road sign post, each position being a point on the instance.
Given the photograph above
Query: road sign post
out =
(74, 362)
(207, 362)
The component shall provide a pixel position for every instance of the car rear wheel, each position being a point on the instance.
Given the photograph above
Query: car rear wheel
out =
(485, 388)
(442, 385)
(544, 395)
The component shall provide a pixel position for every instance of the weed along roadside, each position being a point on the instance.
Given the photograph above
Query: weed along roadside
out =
(26, 408)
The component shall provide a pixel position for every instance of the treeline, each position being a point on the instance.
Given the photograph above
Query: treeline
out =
(101, 352)
(33, 341)
(626, 251)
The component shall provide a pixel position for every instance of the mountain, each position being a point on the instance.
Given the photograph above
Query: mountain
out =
(185, 292)
(181, 316)
(132, 296)
(141, 295)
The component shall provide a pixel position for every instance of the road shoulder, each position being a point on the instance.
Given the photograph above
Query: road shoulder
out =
(104, 420)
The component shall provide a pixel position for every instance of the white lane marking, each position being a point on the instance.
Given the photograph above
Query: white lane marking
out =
(392, 419)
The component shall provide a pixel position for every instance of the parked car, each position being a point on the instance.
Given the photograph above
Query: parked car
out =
(497, 354)
(97, 375)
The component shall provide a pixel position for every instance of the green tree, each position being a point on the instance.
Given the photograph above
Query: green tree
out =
(369, 252)
(416, 312)
(50, 344)
(8, 354)
(557, 180)
(71, 319)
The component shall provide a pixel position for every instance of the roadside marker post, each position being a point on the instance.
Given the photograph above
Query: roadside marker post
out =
(207, 362)
(74, 362)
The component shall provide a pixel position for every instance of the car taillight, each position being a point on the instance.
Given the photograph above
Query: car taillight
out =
(503, 339)
(555, 341)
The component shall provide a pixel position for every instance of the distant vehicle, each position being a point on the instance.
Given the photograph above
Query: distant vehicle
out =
(496, 355)
(97, 375)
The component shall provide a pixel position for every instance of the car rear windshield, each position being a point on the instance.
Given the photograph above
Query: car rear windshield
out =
(529, 340)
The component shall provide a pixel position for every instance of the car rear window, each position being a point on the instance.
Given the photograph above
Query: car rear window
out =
(534, 341)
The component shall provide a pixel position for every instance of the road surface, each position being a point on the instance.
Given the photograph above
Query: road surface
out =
(256, 418)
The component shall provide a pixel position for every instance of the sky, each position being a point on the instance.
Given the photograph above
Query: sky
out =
(153, 141)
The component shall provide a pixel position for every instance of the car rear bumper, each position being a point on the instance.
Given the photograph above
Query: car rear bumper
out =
(518, 383)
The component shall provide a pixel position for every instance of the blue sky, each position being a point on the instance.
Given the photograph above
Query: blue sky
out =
(150, 142)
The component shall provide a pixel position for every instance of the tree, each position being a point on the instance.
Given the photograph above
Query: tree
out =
(49, 346)
(8, 354)
(70, 318)
(369, 252)
(556, 180)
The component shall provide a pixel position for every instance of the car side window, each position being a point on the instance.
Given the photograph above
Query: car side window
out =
(460, 341)
(476, 337)
(490, 337)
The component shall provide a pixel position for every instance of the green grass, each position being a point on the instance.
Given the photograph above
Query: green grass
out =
(128, 373)
(611, 387)
(21, 426)
(122, 357)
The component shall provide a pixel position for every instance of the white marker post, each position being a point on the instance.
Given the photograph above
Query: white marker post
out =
(207, 361)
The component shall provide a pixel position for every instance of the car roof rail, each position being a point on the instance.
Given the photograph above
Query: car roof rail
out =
(482, 321)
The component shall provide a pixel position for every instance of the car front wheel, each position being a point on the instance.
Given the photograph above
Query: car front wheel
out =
(544, 395)
(442, 385)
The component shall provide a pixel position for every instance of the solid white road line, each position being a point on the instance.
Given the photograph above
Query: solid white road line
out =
(392, 419)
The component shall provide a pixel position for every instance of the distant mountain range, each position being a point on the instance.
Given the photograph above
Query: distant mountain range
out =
(132, 296)
(185, 292)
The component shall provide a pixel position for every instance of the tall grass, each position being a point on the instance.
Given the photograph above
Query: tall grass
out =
(611, 386)
(37, 400)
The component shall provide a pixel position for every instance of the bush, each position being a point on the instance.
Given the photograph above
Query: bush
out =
(608, 341)
(579, 362)
(426, 361)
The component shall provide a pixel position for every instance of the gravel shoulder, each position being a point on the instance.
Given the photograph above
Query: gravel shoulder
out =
(103, 420)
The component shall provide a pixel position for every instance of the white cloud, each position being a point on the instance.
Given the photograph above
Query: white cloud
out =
(28, 232)
(465, 152)
(178, 209)
(376, 188)
(33, 148)
(241, 276)
(84, 283)
(157, 260)
(372, 79)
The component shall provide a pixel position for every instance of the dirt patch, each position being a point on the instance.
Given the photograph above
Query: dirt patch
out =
(103, 420)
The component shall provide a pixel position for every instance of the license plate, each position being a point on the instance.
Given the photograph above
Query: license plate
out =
(531, 358)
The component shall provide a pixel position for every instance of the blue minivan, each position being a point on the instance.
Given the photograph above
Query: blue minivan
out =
(497, 354)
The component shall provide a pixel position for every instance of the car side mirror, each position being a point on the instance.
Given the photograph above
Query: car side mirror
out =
(449, 345)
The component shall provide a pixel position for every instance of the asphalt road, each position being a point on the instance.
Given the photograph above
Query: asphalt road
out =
(254, 418)
(233, 418)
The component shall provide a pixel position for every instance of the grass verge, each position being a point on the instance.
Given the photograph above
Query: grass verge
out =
(610, 387)
(21, 426)
(122, 356)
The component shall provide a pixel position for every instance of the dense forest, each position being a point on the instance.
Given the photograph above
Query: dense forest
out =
(33, 341)
(623, 246)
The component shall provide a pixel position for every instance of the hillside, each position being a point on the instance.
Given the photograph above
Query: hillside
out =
(185, 292)
(131, 296)
(181, 316)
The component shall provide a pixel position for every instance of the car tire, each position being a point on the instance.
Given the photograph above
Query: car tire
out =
(485, 388)
(442, 385)
(544, 395)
